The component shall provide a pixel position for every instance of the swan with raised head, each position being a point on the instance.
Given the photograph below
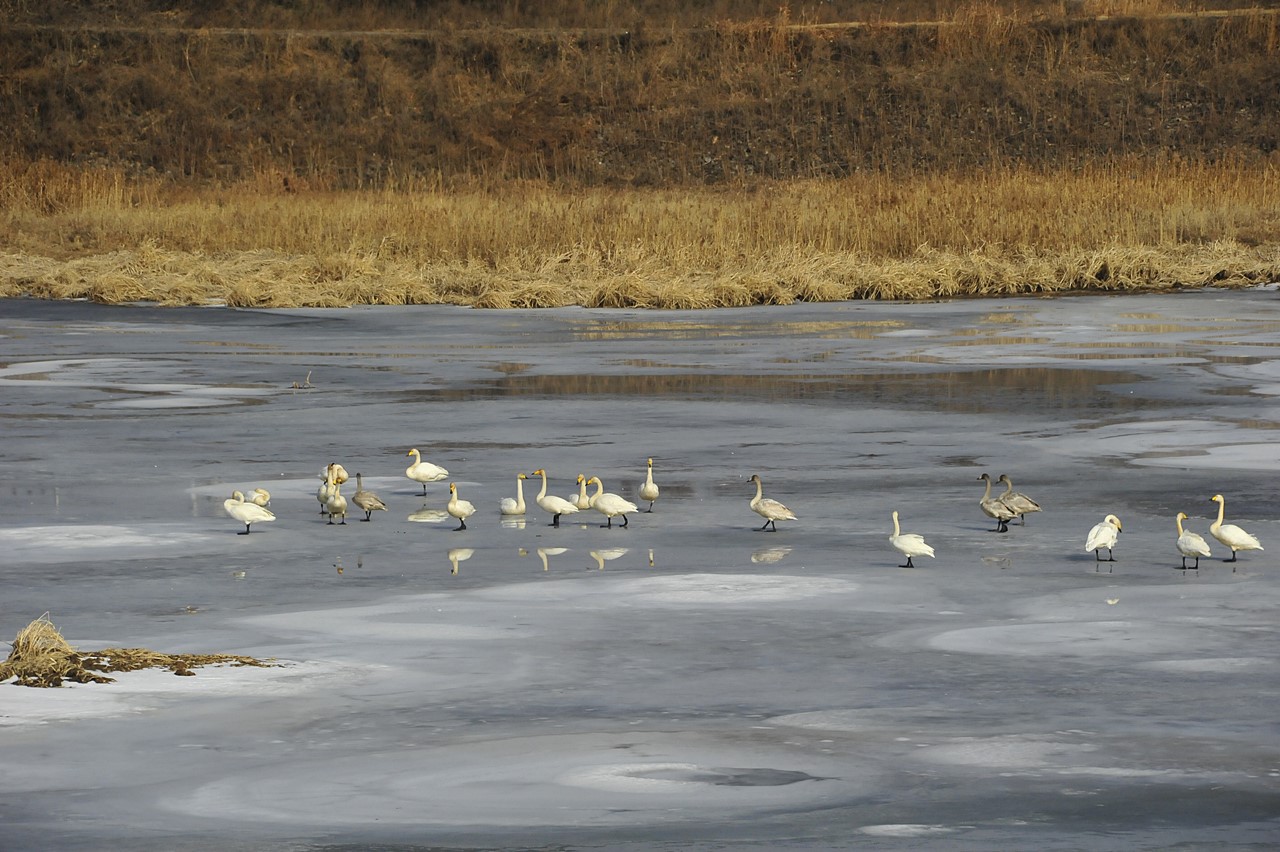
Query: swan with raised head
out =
(325, 491)
(771, 510)
(246, 513)
(1189, 543)
(459, 508)
(423, 472)
(1103, 534)
(515, 506)
(550, 503)
(581, 500)
(908, 544)
(367, 500)
(1230, 534)
(993, 508)
(649, 491)
(1018, 503)
(261, 497)
(335, 503)
(609, 504)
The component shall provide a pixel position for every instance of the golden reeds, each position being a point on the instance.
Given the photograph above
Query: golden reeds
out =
(42, 657)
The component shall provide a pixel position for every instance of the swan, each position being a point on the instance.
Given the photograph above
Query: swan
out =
(1189, 543)
(581, 500)
(1018, 503)
(248, 513)
(551, 504)
(609, 504)
(1103, 534)
(460, 509)
(424, 472)
(1230, 534)
(339, 473)
(993, 508)
(908, 544)
(649, 491)
(335, 504)
(516, 506)
(459, 554)
(367, 500)
(771, 510)
(326, 487)
(261, 497)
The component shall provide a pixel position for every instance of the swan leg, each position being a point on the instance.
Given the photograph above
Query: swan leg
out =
(555, 520)
(609, 525)
(766, 526)
(462, 525)
(650, 509)
(624, 520)
(908, 565)
(246, 530)
(1233, 557)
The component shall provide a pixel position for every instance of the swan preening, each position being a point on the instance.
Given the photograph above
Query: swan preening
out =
(992, 507)
(1189, 543)
(246, 513)
(1230, 534)
(460, 509)
(261, 497)
(367, 500)
(1103, 534)
(908, 544)
(423, 472)
(550, 503)
(771, 510)
(609, 504)
(514, 506)
(649, 491)
(1018, 503)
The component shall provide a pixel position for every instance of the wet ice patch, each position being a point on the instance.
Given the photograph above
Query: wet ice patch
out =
(731, 589)
(1210, 665)
(127, 380)
(906, 830)
(62, 542)
(830, 720)
(1073, 639)
(663, 777)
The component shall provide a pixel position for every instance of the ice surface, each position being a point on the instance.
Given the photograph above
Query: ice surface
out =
(687, 682)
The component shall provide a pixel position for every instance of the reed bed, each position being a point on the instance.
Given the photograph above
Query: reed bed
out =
(1130, 224)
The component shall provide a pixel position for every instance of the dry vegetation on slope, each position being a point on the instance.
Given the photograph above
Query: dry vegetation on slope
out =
(653, 154)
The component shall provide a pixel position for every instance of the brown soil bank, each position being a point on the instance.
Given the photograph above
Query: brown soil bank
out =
(789, 154)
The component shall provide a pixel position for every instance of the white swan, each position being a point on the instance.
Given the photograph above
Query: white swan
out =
(771, 510)
(367, 500)
(247, 513)
(515, 506)
(1018, 503)
(325, 491)
(609, 504)
(551, 504)
(908, 544)
(424, 472)
(581, 500)
(261, 497)
(335, 504)
(459, 554)
(649, 491)
(993, 508)
(1189, 543)
(339, 473)
(460, 509)
(1230, 534)
(1103, 534)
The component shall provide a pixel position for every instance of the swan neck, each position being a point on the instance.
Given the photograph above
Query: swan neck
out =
(987, 494)
(543, 493)
(896, 529)
(1178, 519)
(1222, 510)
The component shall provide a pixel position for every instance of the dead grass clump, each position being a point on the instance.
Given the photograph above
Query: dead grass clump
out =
(42, 657)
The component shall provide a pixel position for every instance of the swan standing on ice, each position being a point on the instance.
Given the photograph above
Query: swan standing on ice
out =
(367, 500)
(550, 503)
(908, 544)
(516, 506)
(1103, 534)
(771, 510)
(993, 508)
(1189, 543)
(649, 491)
(261, 497)
(582, 501)
(1018, 503)
(325, 491)
(335, 504)
(247, 513)
(609, 504)
(460, 509)
(1230, 534)
(423, 472)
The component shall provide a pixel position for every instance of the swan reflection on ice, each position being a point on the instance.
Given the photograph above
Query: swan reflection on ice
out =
(607, 554)
(427, 515)
(459, 554)
(769, 555)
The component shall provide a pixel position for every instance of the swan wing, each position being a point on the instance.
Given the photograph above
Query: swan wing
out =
(1236, 538)
(1192, 544)
(769, 508)
(1103, 534)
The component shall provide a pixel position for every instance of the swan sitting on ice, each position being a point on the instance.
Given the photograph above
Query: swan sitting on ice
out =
(424, 472)
(1230, 534)
(367, 500)
(649, 491)
(550, 503)
(908, 544)
(1103, 534)
(1189, 543)
(609, 504)
(771, 510)
(515, 506)
(246, 513)
(460, 509)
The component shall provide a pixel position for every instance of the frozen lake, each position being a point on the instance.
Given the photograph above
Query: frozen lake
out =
(687, 682)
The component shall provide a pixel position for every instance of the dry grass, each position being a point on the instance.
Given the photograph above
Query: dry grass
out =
(1129, 224)
(42, 657)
